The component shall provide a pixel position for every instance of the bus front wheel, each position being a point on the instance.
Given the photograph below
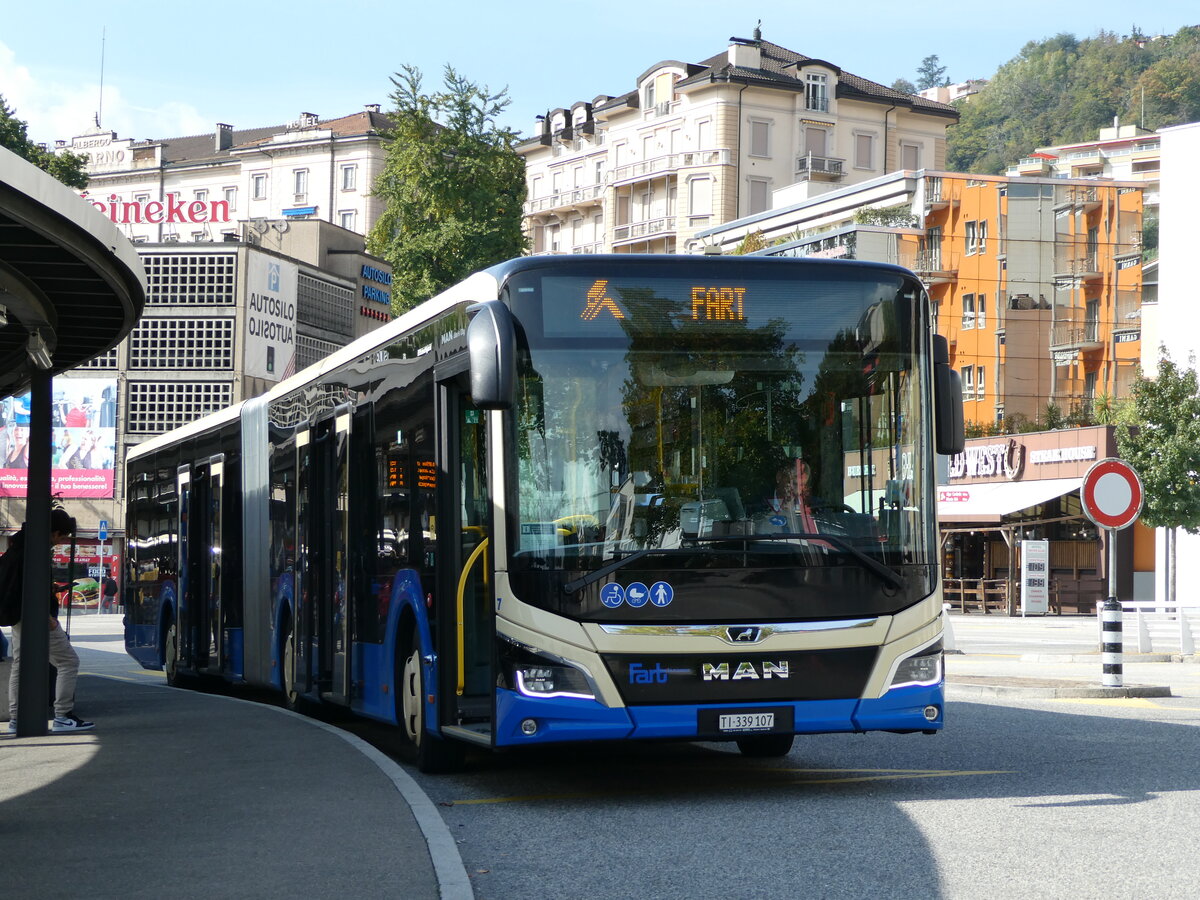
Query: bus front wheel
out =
(428, 753)
(766, 745)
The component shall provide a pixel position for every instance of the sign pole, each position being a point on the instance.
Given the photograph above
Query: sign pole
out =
(1112, 645)
(1111, 496)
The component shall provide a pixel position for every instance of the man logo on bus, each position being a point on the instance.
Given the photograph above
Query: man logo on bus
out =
(744, 670)
(598, 300)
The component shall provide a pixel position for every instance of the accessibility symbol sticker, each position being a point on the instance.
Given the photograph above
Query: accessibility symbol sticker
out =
(612, 595)
(661, 594)
(636, 595)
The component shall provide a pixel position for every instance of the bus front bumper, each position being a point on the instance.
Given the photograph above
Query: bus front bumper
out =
(523, 720)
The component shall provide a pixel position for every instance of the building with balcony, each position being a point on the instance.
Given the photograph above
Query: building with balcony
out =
(1036, 282)
(693, 145)
(200, 187)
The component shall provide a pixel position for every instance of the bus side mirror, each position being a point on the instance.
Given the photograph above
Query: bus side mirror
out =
(491, 349)
(948, 399)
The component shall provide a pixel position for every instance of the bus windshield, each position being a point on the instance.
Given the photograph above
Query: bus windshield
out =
(763, 421)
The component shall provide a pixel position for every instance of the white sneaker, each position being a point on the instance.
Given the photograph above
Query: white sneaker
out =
(70, 722)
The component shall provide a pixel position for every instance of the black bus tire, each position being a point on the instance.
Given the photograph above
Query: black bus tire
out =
(292, 698)
(766, 745)
(428, 753)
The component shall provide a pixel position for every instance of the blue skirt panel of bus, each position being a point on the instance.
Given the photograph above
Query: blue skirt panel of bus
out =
(570, 719)
(282, 604)
(375, 665)
(903, 708)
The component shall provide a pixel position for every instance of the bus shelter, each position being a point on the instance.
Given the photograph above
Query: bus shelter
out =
(1004, 490)
(71, 288)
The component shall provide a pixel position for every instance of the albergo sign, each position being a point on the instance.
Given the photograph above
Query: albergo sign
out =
(172, 210)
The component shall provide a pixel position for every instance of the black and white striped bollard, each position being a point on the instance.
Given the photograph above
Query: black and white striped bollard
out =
(1110, 643)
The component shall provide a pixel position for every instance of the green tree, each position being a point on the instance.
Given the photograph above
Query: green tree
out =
(930, 74)
(1163, 447)
(67, 167)
(904, 86)
(452, 183)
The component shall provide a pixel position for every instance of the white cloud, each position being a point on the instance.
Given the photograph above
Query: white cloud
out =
(56, 110)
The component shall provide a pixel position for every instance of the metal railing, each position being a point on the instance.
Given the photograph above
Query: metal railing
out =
(648, 228)
(667, 164)
(1074, 334)
(809, 165)
(571, 197)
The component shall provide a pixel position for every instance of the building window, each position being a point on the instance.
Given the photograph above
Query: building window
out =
(968, 307)
(981, 311)
(704, 133)
(649, 94)
(980, 377)
(982, 237)
(760, 137)
(202, 196)
(346, 219)
(182, 343)
(194, 279)
(349, 178)
(910, 156)
(231, 198)
(816, 92)
(154, 407)
(599, 172)
(300, 183)
(760, 195)
(968, 382)
(864, 151)
(258, 190)
(971, 237)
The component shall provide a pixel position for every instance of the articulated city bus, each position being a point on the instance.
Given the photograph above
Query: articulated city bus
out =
(575, 498)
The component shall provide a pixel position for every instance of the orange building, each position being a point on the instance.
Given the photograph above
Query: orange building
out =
(1037, 283)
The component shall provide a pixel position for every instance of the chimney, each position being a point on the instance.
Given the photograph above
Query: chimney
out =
(744, 53)
(224, 136)
(372, 107)
(59, 145)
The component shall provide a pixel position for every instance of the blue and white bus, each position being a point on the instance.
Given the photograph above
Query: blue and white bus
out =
(586, 498)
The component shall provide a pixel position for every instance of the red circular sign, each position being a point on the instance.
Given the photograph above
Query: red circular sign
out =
(1112, 494)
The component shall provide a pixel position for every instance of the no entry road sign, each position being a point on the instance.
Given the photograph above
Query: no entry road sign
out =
(1112, 494)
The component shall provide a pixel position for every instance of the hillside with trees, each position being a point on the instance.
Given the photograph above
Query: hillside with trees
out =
(1062, 90)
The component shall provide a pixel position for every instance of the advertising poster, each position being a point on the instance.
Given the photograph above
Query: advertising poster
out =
(270, 317)
(84, 446)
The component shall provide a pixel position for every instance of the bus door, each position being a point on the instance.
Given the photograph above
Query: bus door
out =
(464, 571)
(322, 522)
(199, 601)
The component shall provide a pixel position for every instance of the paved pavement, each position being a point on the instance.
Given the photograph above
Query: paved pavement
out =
(200, 795)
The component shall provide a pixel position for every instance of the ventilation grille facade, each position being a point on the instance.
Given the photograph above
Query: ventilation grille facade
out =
(310, 350)
(329, 307)
(158, 406)
(191, 279)
(200, 343)
(103, 361)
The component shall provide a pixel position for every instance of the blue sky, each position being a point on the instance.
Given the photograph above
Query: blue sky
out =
(172, 70)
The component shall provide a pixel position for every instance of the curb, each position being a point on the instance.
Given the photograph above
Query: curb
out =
(1066, 690)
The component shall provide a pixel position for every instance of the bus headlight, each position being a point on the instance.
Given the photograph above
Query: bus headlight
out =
(536, 674)
(923, 668)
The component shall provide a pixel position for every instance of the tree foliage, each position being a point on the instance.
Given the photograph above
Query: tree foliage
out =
(904, 86)
(67, 167)
(930, 74)
(1163, 446)
(452, 183)
(1062, 90)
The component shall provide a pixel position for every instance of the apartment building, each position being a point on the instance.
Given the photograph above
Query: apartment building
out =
(1036, 282)
(692, 145)
(199, 187)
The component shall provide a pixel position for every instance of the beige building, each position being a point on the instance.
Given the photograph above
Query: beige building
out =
(693, 145)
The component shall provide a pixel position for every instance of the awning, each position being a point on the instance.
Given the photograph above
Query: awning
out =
(988, 503)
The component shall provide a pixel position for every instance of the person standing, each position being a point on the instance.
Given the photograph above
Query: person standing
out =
(62, 655)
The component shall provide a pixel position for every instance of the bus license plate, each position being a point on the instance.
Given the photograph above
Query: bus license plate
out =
(760, 720)
(746, 722)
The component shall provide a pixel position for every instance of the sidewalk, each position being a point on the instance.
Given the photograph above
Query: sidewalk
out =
(1054, 657)
(188, 794)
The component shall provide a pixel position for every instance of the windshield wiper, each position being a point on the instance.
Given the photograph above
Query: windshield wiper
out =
(871, 565)
(592, 577)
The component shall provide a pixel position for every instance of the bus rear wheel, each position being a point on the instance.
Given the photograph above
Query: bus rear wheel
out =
(766, 745)
(428, 753)
(292, 698)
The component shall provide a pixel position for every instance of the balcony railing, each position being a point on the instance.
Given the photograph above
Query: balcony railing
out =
(648, 228)
(573, 197)
(817, 102)
(1076, 264)
(1078, 335)
(1129, 311)
(826, 167)
(661, 165)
